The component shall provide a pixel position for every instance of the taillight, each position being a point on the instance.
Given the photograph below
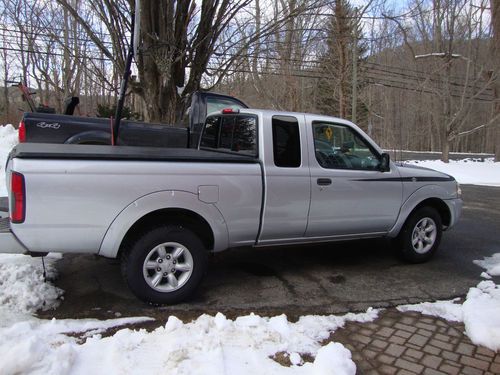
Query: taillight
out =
(18, 198)
(22, 132)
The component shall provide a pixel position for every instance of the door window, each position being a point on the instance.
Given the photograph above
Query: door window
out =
(340, 147)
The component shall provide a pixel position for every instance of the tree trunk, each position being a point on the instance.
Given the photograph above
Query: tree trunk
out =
(495, 49)
(445, 150)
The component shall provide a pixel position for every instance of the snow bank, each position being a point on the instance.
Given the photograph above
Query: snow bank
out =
(482, 315)
(8, 139)
(480, 312)
(208, 345)
(467, 171)
(490, 264)
(34, 346)
(22, 288)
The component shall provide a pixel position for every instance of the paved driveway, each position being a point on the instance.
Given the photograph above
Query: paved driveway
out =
(331, 278)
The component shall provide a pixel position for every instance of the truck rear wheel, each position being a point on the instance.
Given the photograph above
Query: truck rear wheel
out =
(165, 265)
(420, 237)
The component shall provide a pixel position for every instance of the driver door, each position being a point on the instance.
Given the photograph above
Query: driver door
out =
(349, 194)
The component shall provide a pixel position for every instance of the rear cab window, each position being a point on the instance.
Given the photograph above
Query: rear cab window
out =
(231, 133)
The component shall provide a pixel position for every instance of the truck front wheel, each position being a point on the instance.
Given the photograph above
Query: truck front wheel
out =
(165, 265)
(420, 237)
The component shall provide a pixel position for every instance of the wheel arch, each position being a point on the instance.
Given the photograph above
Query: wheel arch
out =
(439, 205)
(177, 216)
(170, 207)
(431, 195)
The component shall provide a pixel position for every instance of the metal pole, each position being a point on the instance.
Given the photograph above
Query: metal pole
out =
(123, 86)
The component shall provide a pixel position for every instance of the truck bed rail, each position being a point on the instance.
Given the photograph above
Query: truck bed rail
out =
(93, 152)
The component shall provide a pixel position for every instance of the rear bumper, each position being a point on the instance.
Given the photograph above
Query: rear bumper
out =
(8, 241)
(455, 207)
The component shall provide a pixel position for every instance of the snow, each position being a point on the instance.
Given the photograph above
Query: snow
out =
(480, 312)
(482, 315)
(448, 310)
(207, 345)
(35, 346)
(466, 171)
(490, 264)
(22, 288)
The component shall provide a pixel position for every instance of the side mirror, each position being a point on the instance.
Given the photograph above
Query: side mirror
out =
(385, 162)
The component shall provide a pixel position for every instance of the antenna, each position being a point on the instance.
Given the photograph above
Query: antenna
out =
(126, 73)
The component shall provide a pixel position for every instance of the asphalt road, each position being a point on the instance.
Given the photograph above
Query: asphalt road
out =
(333, 278)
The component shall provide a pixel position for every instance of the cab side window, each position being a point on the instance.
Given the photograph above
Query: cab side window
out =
(286, 142)
(339, 147)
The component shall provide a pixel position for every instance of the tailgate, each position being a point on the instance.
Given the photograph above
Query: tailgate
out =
(8, 241)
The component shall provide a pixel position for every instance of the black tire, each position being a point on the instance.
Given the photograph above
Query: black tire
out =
(411, 233)
(139, 277)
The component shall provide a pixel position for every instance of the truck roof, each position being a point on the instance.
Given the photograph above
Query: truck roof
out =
(273, 112)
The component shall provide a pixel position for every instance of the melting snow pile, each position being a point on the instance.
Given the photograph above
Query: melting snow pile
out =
(480, 312)
(22, 288)
(466, 171)
(490, 264)
(208, 345)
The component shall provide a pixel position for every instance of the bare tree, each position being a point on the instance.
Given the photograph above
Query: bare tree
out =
(495, 55)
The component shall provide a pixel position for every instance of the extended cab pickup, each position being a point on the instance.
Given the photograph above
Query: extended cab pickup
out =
(258, 178)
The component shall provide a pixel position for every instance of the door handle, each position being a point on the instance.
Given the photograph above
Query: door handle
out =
(324, 181)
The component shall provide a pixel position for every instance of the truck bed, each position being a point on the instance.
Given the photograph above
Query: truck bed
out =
(93, 152)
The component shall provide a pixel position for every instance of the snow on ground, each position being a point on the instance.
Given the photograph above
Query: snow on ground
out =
(449, 310)
(21, 284)
(208, 345)
(466, 171)
(480, 311)
(490, 264)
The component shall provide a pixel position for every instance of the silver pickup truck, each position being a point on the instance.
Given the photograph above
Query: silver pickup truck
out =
(258, 178)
